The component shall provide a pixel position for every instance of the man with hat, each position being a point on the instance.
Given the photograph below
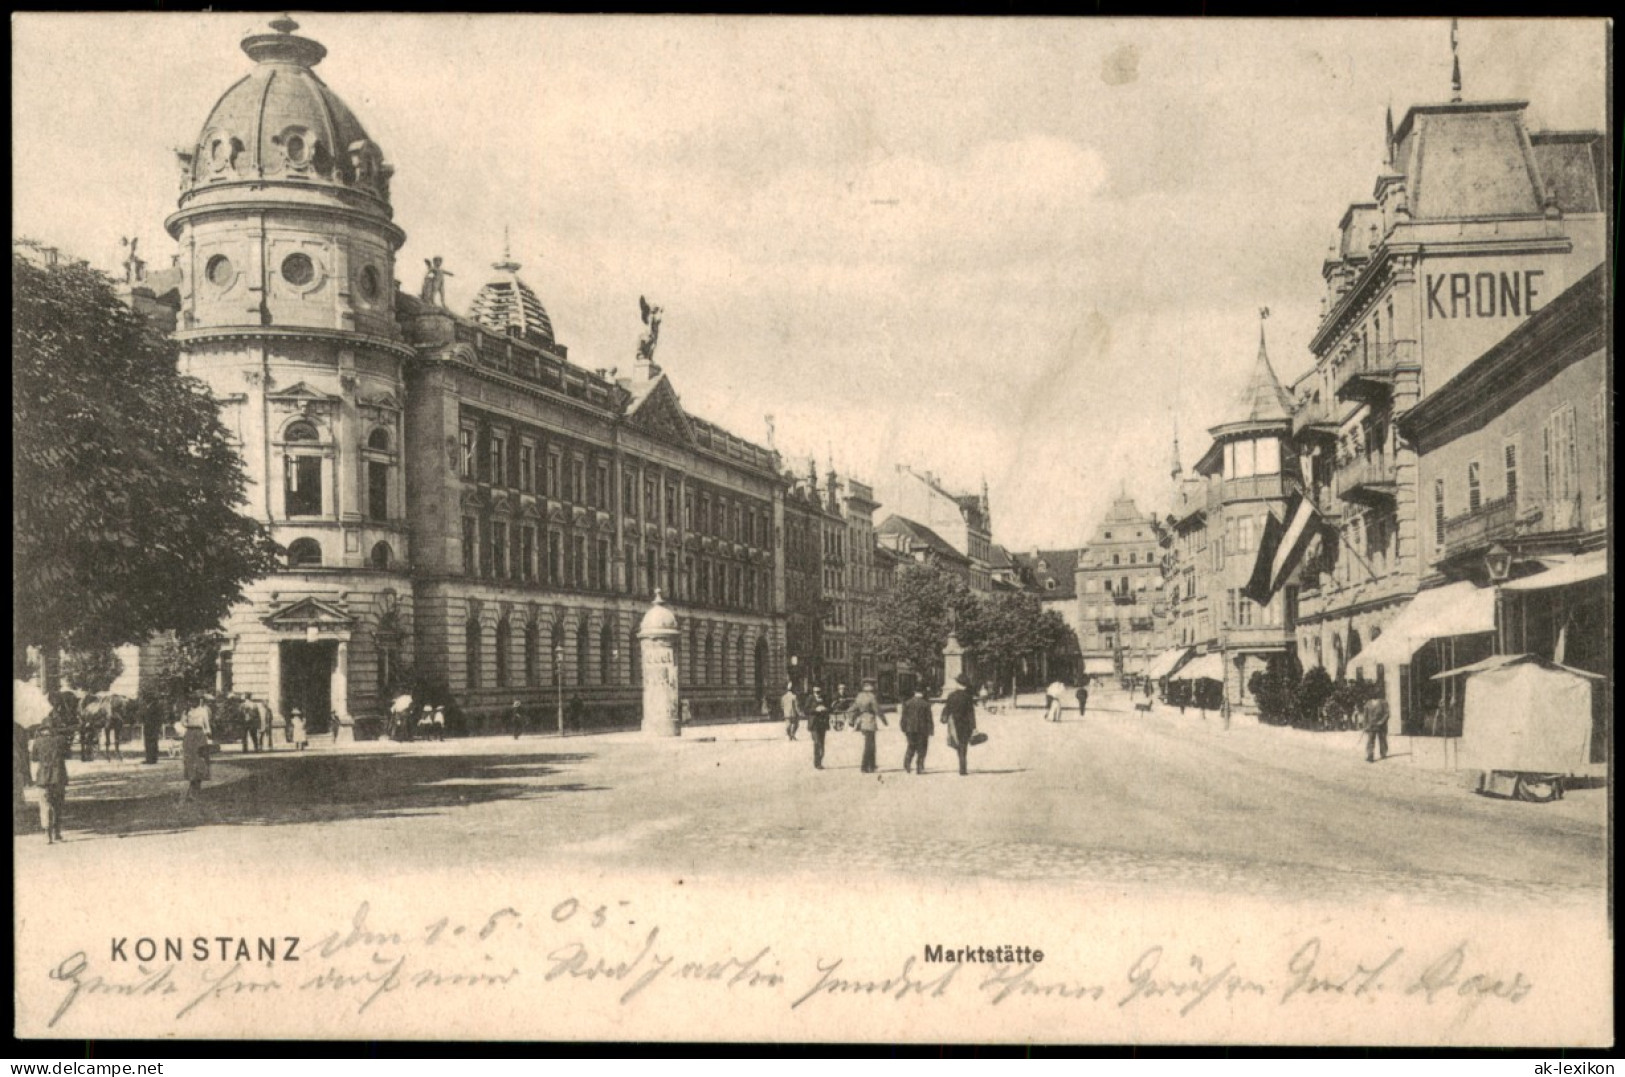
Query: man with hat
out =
(51, 750)
(916, 726)
(516, 719)
(959, 715)
(867, 716)
(818, 725)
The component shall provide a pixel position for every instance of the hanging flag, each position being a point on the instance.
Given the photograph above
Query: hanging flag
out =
(1258, 585)
(1282, 549)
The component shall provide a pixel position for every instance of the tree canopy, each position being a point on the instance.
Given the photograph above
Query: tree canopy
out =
(125, 487)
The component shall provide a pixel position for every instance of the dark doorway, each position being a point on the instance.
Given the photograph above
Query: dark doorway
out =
(307, 682)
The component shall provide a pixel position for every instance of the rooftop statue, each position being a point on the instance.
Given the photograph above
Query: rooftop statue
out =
(651, 318)
(434, 282)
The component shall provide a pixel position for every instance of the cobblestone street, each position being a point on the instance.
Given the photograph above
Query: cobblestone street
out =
(1117, 801)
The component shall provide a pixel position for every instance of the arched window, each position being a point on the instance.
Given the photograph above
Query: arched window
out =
(304, 553)
(1337, 656)
(722, 670)
(381, 555)
(471, 645)
(739, 664)
(378, 469)
(557, 645)
(583, 653)
(634, 648)
(378, 440)
(606, 656)
(301, 431)
(504, 646)
(710, 657)
(533, 641)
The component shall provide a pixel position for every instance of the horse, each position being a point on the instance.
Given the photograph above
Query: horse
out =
(108, 711)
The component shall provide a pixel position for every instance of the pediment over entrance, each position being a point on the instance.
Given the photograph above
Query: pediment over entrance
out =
(307, 613)
(302, 392)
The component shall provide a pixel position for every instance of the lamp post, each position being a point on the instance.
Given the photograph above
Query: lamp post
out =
(558, 684)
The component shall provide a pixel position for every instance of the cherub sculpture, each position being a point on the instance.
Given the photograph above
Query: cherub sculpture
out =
(434, 281)
(651, 318)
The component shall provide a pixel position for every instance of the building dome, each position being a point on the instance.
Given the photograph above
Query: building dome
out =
(509, 306)
(280, 122)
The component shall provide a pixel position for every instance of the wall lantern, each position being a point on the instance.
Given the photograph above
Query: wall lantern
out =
(1498, 562)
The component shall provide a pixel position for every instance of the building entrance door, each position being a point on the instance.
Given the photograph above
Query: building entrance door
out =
(307, 682)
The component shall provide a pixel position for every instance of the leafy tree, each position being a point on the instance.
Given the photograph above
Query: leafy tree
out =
(1014, 626)
(183, 667)
(92, 671)
(125, 487)
(1310, 697)
(911, 622)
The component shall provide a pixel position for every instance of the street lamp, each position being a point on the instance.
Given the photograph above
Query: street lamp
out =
(558, 683)
(1498, 562)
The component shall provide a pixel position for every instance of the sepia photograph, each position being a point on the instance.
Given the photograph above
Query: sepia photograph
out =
(508, 508)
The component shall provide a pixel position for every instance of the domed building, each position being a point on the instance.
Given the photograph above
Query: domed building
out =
(462, 507)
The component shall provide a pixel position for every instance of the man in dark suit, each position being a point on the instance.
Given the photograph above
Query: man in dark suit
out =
(818, 725)
(916, 726)
(959, 715)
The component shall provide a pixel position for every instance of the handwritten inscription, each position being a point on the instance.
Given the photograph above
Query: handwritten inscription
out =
(603, 954)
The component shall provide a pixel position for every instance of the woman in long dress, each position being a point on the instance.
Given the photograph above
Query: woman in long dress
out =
(195, 747)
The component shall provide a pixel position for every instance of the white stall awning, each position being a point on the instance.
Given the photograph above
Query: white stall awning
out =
(1588, 566)
(1166, 662)
(1456, 609)
(1208, 667)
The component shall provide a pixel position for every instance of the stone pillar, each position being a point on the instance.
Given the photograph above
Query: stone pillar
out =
(953, 662)
(339, 684)
(273, 669)
(657, 637)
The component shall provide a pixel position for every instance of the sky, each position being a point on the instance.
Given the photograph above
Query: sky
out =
(1017, 250)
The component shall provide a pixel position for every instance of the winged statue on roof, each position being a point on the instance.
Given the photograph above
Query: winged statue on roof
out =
(651, 318)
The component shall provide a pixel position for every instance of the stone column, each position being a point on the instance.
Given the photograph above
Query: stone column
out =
(953, 662)
(339, 683)
(273, 668)
(657, 637)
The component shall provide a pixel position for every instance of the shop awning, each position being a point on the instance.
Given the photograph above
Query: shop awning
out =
(1099, 667)
(1208, 667)
(1456, 609)
(1166, 662)
(1588, 566)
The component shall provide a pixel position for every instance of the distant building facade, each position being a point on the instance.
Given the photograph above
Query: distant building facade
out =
(1119, 588)
(963, 520)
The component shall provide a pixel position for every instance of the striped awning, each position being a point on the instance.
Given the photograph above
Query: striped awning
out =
(1166, 662)
(1209, 667)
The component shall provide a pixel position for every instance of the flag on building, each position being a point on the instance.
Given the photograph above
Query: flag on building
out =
(1281, 549)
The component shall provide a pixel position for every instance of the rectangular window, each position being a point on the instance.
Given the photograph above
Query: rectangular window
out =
(1599, 442)
(1438, 514)
(1509, 460)
(499, 460)
(485, 546)
(527, 553)
(499, 549)
(471, 542)
(1562, 456)
(555, 559)
(688, 510)
(527, 468)
(578, 561)
(578, 482)
(465, 455)
(553, 464)
(631, 570)
(650, 515)
(1475, 496)
(303, 486)
(601, 566)
(377, 490)
(651, 571)
(629, 496)
(671, 505)
(1244, 534)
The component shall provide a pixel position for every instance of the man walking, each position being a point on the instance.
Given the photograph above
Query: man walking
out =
(790, 707)
(867, 717)
(516, 719)
(916, 726)
(1052, 701)
(51, 750)
(1083, 695)
(818, 725)
(1376, 725)
(959, 715)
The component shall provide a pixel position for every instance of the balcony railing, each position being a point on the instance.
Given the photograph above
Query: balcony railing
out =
(1314, 420)
(1491, 522)
(1368, 378)
(1106, 625)
(1367, 479)
(1256, 487)
(1123, 598)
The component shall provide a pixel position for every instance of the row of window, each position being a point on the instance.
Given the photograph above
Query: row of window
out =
(498, 549)
(706, 669)
(558, 471)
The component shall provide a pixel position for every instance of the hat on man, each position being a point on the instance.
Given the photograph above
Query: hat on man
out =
(868, 682)
(962, 680)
